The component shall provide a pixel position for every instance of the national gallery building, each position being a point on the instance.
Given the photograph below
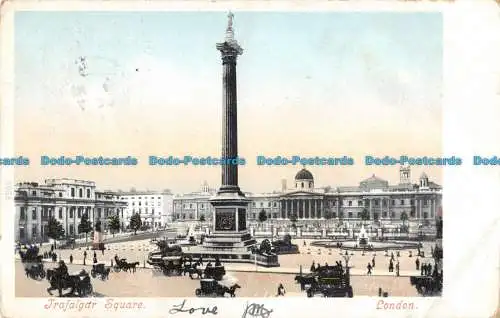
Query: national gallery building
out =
(420, 202)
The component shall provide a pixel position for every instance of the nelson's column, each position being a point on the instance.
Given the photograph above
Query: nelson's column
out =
(230, 240)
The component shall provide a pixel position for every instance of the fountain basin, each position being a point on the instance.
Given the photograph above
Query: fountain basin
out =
(353, 245)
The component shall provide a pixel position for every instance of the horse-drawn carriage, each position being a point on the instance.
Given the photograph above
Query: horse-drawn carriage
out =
(331, 281)
(210, 287)
(79, 283)
(122, 264)
(428, 285)
(100, 270)
(30, 255)
(171, 265)
(34, 270)
(214, 272)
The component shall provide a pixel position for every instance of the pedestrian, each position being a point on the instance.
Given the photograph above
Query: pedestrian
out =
(71, 258)
(397, 254)
(397, 268)
(95, 258)
(369, 268)
(313, 267)
(84, 256)
(102, 249)
(417, 264)
(422, 269)
(281, 290)
(391, 266)
(410, 254)
(373, 262)
(392, 256)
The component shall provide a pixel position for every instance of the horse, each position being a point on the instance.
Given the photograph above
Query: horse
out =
(60, 283)
(303, 281)
(132, 266)
(230, 290)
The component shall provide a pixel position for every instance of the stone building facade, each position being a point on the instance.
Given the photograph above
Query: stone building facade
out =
(65, 199)
(154, 207)
(421, 202)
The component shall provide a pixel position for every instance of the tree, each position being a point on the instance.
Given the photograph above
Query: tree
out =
(85, 226)
(365, 215)
(54, 229)
(135, 222)
(202, 218)
(114, 224)
(262, 216)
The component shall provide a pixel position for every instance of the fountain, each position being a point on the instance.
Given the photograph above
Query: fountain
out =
(362, 237)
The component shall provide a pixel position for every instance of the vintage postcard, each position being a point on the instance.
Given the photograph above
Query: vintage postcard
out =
(231, 159)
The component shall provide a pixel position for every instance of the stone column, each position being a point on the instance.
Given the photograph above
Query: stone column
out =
(321, 209)
(229, 51)
(311, 216)
(304, 208)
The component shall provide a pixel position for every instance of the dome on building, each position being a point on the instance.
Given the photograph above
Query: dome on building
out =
(304, 174)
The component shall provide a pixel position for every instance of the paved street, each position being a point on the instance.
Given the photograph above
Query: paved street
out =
(150, 283)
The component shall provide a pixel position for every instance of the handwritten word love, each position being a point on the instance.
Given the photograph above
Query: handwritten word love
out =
(180, 309)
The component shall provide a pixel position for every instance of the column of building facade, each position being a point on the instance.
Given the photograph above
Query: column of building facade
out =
(322, 209)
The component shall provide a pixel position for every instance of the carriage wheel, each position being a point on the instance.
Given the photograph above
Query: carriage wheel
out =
(42, 274)
(117, 269)
(198, 292)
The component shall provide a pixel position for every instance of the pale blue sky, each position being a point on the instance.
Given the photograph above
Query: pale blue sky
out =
(314, 83)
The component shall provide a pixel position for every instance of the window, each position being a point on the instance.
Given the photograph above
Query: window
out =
(60, 194)
(275, 204)
(261, 204)
(393, 202)
(60, 213)
(334, 203)
(71, 229)
(350, 214)
(360, 203)
(159, 198)
(146, 203)
(302, 184)
(23, 214)
(384, 203)
(71, 213)
(190, 206)
(21, 233)
(153, 210)
(253, 203)
(33, 193)
(377, 202)
(99, 213)
(384, 214)
(33, 214)
(88, 193)
(426, 202)
(334, 215)
(349, 203)
(412, 214)
(393, 214)
(79, 213)
(426, 215)
(202, 205)
(33, 231)
(310, 184)
(72, 192)
(80, 193)
(140, 203)
(402, 202)
(412, 202)
(268, 204)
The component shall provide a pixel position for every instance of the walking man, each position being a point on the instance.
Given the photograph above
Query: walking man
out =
(369, 268)
(417, 264)
(84, 257)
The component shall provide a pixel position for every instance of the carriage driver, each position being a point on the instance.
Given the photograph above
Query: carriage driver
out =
(62, 269)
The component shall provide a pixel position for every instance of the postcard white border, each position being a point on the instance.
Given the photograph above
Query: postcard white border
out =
(471, 103)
